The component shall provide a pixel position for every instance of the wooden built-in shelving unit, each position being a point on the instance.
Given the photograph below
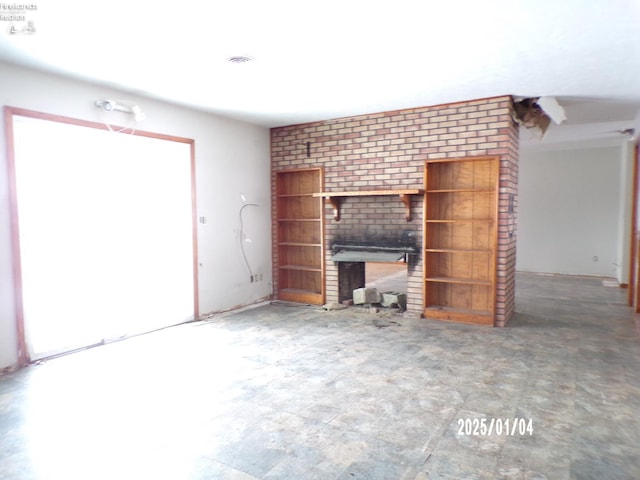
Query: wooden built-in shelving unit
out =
(300, 236)
(335, 198)
(460, 239)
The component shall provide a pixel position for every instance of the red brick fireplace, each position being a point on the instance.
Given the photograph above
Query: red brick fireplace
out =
(387, 151)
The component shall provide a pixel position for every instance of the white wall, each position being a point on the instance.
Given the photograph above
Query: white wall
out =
(231, 158)
(569, 211)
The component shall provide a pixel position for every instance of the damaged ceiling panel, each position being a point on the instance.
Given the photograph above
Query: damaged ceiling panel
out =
(538, 112)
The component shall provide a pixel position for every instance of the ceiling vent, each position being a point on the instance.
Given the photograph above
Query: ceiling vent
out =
(240, 59)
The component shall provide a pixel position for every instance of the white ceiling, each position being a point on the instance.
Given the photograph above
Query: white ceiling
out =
(322, 60)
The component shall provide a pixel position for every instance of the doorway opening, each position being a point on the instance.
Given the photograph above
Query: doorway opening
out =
(103, 232)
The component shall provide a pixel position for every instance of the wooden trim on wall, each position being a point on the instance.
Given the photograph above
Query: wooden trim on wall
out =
(323, 260)
(194, 230)
(633, 295)
(23, 354)
(9, 113)
(495, 254)
(23, 112)
(634, 228)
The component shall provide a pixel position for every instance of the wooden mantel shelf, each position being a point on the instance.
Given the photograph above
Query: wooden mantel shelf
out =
(335, 198)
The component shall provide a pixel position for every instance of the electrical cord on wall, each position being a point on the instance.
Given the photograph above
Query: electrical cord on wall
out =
(108, 106)
(111, 129)
(244, 254)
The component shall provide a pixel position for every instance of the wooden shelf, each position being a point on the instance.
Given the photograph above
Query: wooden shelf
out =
(457, 310)
(370, 193)
(299, 220)
(462, 315)
(460, 190)
(468, 220)
(298, 244)
(301, 268)
(456, 250)
(460, 281)
(335, 198)
(300, 296)
(460, 238)
(294, 195)
(299, 236)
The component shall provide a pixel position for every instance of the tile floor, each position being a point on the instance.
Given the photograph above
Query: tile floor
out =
(293, 392)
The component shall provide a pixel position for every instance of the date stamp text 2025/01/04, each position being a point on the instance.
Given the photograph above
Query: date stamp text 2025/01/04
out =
(495, 426)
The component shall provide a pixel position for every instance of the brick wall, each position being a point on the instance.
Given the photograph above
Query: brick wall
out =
(387, 150)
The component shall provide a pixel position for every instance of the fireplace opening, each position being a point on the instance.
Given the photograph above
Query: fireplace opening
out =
(374, 260)
(386, 277)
